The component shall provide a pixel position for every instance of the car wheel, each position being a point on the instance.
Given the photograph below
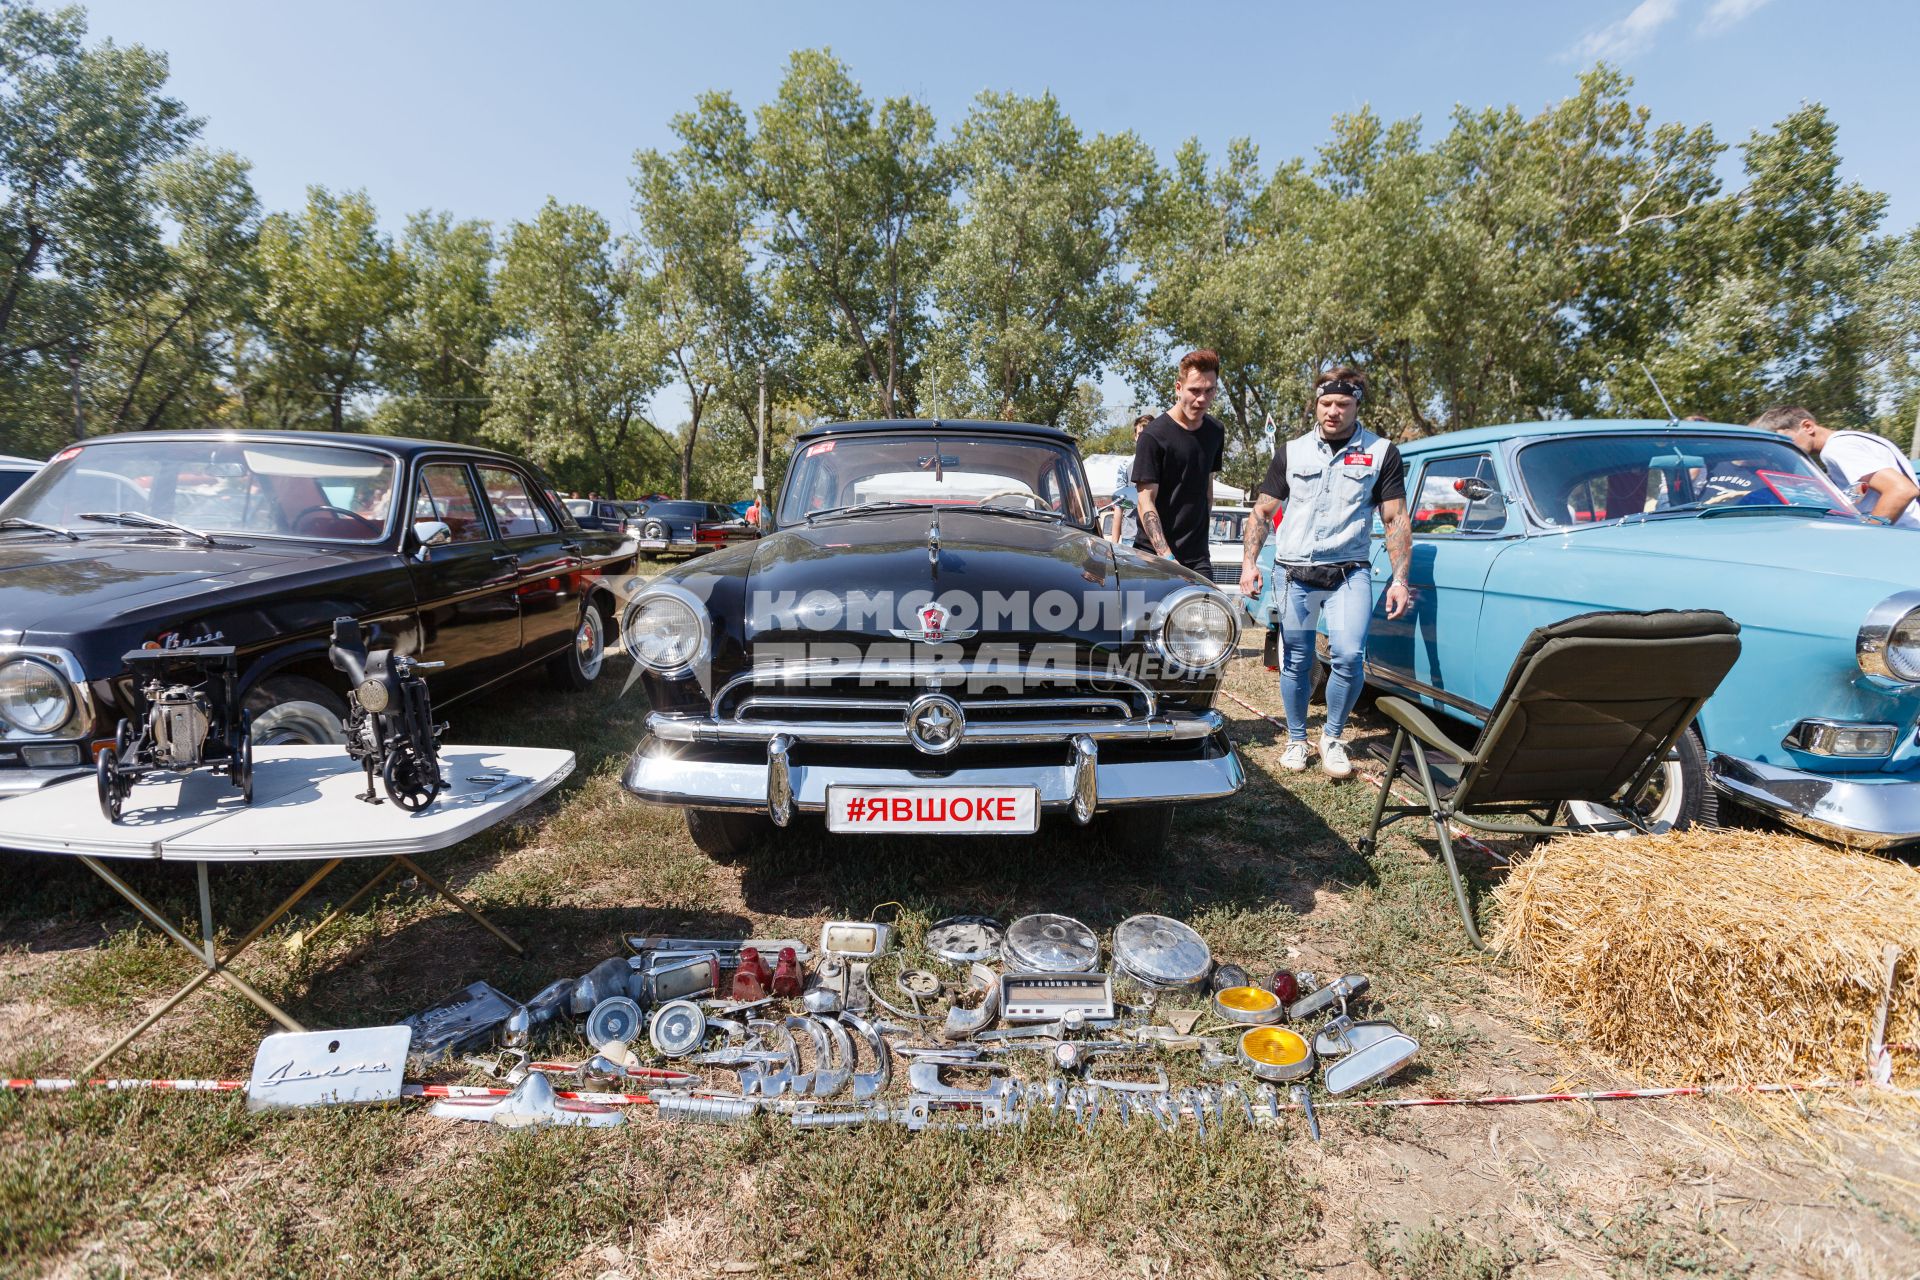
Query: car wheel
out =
(724, 834)
(1138, 836)
(585, 656)
(296, 711)
(1679, 796)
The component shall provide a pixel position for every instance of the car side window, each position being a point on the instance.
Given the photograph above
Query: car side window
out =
(445, 493)
(1443, 504)
(515, 509)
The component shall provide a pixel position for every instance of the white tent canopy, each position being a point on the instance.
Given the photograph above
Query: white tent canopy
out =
(1103, 473)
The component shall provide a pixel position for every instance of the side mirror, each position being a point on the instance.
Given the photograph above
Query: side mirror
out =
(1473, 489)
(1376, 1061)
(430, 534)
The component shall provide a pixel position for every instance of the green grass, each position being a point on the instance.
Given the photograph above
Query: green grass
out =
(193, 1184)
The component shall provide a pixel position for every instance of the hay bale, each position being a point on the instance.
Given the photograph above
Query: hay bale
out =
(1719, 955)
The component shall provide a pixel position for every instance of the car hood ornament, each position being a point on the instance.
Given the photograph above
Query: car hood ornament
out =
(935, 723)
(933, 618)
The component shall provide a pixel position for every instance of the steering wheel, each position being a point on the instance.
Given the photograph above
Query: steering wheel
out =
(327, 507)
(1033, 501)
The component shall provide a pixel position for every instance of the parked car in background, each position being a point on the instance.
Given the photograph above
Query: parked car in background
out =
(934, 621)
(260, 540)
(1518, 526)
(602, 514)
(15, 472)
(1226, 526)
(679, 527)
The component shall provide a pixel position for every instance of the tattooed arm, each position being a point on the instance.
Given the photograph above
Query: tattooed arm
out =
(1259, 525)
(1149, 514)
(1393, 513)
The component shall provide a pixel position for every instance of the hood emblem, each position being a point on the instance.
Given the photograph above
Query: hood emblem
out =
(935, 724)
(933, 618)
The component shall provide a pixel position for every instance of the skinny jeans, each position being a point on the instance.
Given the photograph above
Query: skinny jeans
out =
(1348, 608)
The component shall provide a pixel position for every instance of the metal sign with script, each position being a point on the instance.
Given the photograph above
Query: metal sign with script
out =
(316, 1068)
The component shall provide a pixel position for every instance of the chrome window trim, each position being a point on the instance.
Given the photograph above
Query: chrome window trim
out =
(1870, 642)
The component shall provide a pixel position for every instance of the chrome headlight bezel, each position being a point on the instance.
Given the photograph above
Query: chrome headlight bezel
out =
(1887, 646)
(44, 666)
(1170, 609)
(661, 601)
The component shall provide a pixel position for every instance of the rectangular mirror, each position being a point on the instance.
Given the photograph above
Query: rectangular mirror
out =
(1375, 1062)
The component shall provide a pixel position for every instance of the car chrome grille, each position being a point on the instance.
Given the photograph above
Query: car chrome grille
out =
(851, 696)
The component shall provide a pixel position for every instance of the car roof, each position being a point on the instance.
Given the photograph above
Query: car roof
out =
(405, 446)
(13, 460)
(1570, 426)
(957, 426)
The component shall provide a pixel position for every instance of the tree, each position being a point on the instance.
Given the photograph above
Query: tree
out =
(331, 283)
(1033, 290)
(432, 364)
(858, 209)
(696, 215)
(569, 383)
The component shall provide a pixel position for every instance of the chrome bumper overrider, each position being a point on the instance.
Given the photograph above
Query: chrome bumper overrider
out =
(1166, 727)
(1860, 811)
(777, 785)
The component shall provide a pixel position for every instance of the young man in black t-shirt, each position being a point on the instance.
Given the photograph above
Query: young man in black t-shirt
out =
(1174, 462)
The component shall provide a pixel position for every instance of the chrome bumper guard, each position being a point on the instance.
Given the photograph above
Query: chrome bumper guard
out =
(1860, 811)
(779, 786)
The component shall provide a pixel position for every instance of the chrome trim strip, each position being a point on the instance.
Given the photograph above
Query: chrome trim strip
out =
(1870, 642)
(899, 705)
(655, 774)
(800, 674)
(1861, 811)
(1177, 727)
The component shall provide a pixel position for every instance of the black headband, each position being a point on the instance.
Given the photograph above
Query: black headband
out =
(1339, 387)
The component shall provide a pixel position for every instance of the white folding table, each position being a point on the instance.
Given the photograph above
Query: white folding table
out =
(306, 807)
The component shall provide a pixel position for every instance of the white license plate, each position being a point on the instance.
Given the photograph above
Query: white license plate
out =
(652, 544)
(952, 810)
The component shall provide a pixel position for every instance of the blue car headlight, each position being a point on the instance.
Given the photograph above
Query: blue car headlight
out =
(1888, 644)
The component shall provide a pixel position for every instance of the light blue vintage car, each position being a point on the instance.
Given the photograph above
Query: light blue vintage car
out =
(1518, 526)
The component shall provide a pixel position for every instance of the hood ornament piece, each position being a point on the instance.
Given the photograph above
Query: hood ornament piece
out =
(933, 542)
(933, 618)
(935, 723)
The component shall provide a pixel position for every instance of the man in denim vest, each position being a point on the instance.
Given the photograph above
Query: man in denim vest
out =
(1332, 481)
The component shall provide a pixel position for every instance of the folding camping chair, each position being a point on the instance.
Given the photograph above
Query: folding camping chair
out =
(1592, 706)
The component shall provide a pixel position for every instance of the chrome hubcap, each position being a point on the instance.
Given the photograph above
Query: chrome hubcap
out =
(588, 644)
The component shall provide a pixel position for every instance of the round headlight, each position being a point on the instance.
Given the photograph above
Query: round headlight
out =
(1199, 630)
(373, 695)
(1888, 644)
(663, 633)
(34, 698)
(1903, 647)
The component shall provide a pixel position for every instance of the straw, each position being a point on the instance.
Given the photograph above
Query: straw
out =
(1712, 955)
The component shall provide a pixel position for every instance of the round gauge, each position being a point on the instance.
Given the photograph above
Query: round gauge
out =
(677, 1028)
(615, 1020)
(1051, 944)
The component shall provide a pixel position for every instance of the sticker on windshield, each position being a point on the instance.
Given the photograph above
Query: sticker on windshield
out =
(71, 451)
(1803, 491)
(823, 446)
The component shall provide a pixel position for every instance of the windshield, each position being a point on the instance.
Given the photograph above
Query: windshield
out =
(216, 485)
(947, 470)
(1585, 479)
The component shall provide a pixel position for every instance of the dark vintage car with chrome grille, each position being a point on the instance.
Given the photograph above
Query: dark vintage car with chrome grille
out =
(259, 540)
(679, 527)
(932, 637)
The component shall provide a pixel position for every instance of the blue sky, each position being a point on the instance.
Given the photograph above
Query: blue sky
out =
(486, 108)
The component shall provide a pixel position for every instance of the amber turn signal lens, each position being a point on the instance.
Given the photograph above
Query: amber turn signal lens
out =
(1255, 1005)
(1275, 1053)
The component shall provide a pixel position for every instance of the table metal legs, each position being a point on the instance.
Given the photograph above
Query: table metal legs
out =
(215, 966)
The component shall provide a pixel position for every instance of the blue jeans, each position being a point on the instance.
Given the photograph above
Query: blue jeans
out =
(1348, 608)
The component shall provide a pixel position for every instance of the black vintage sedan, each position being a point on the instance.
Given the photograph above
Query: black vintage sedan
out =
(934, 637)
(680, 527)
(260, 540)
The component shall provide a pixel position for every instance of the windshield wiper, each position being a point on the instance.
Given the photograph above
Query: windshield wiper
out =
(864, 508)
(141, 520)
(1020, 513)
(20, 522)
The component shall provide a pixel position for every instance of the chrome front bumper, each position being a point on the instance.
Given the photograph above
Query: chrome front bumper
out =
(1861, 811)
(777, 785)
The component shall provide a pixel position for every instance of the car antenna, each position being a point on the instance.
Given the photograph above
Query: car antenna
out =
(1673, 419)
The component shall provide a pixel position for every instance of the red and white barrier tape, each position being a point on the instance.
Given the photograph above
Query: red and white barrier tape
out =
(229, 1086)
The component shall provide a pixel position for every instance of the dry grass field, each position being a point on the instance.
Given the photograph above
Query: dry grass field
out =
(192, 1185)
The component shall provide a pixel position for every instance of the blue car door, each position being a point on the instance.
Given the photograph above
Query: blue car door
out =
(1462, 519)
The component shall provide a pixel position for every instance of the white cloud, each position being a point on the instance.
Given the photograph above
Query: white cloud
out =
(1634, 32)
(1725, 13)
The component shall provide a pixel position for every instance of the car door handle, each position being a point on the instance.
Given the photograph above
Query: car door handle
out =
(571, 548)
(508, 558)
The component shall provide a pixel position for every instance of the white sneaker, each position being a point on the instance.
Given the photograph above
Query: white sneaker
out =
(1333, 758)
(1294, 759)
